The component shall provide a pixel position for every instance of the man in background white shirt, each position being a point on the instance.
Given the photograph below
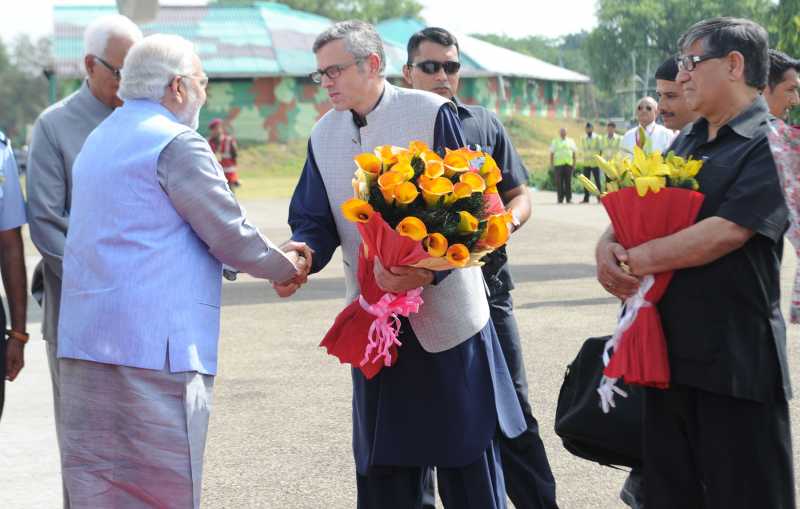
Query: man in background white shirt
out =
(656, 137)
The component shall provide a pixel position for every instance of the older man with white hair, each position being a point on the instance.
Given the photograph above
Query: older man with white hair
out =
(58, 136)
(151, 223)
(647, 135)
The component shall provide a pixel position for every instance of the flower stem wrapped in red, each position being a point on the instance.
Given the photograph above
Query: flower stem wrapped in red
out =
(654, 197)
(412, 208)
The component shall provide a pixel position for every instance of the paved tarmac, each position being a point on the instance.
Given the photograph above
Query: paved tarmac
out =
(280, 429)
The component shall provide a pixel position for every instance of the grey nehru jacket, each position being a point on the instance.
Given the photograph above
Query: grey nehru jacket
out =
(58, 136)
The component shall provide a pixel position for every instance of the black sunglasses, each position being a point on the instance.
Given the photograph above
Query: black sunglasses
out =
(432, 67)
(648, 108)
(116, 72)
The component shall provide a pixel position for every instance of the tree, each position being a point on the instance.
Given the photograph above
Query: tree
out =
(372, 11)
(646, 32)
(24, 92)
(786, 23)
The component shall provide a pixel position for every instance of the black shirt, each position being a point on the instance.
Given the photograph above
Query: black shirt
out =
(484, 131)
(722, 321)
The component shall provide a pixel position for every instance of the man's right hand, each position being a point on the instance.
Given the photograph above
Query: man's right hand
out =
(300, 255)
(616, 281)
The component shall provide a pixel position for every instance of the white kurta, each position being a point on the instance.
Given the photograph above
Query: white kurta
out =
(660, 138)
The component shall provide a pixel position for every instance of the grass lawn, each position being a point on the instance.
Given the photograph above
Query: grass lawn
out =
(271, 170)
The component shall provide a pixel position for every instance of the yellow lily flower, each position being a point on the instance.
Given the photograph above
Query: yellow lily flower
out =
(434, 189)
(457, 255)
(387, 182)
(474, 180)
(435, 244)
(467, 223)
(608, 168)
(405, 193)
(588, 185)
(644, 184)
(496, 233)
(493, 176)
(489, 165)
(413, 228)
(357, 211)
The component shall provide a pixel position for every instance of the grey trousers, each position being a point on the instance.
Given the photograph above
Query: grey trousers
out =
(52, 362)
(133, 437)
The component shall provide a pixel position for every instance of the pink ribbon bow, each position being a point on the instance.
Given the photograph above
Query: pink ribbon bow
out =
(384, 329)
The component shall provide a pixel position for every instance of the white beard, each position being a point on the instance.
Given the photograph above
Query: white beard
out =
(190, 116)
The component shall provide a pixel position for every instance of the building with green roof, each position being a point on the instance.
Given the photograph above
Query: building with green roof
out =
(259, 57)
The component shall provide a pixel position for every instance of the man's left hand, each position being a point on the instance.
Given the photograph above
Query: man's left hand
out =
(15, 358)
(402, 278)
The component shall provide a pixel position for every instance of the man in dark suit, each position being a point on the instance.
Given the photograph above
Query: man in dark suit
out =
(433, 65)
(719, 436)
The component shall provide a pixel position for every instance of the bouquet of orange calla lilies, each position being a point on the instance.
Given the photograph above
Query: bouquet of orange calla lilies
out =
(413, 207)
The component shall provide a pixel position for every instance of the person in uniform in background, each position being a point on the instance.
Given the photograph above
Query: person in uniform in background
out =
(433, 65)
(12, 268)
(611, 141)
(226, 149)
(590, 146)
(562, 160)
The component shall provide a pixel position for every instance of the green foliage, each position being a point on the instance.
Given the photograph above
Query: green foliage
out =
(372, 11)
(565, 51)
(24, 93)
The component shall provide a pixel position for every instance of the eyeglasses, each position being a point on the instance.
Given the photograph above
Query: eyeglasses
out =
(114, 71)
(201, 79)
(689, 62)
(432, 66)
(332, 71)
(647, 107)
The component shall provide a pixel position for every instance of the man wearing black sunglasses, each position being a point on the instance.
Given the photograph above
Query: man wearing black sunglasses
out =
(647, 134)
(433, 65)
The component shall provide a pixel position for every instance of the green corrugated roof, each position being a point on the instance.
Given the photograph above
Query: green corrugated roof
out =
(271, 39)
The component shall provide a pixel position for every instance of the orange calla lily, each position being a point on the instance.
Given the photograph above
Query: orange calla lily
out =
(387, 183)
(405, 193)
(404, 168)
(467, 223)
(457, 255)
(435, 244)
(489, 164)
(434, 189)
(357, 211)
(389, 154)
(368, 162)
(417, 147)
(474, 181)
(413, 228)
(492, 177)
(434, 168)
(455, 161)
(496, 233)
(460, 190)
(430, 155)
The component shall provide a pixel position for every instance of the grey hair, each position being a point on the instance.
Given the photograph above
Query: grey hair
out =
(152, 63)
(360, 38)
(720, 36)
(99, 31)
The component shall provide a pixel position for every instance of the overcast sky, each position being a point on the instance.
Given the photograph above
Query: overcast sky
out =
(35, 17)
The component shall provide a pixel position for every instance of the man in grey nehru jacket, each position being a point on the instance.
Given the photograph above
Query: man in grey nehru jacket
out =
(151, 223)
(58, 136)
(443, 400)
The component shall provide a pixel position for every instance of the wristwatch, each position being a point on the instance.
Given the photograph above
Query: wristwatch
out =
(22, 337)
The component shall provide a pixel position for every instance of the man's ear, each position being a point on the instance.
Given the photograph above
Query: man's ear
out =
(407, 75)
(88, 63)
(374, 63)
(735, 61)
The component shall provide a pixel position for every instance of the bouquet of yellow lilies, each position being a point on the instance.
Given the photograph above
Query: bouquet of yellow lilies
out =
(648, 197)
(412, 207)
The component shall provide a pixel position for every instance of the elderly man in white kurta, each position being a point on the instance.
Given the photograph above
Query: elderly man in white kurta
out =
(151, 223)
(656, 136)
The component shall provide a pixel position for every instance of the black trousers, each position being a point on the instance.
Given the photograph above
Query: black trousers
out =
(563, 179)
(710, 451)
(478, 485)
(529, 480)
(591, 172)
